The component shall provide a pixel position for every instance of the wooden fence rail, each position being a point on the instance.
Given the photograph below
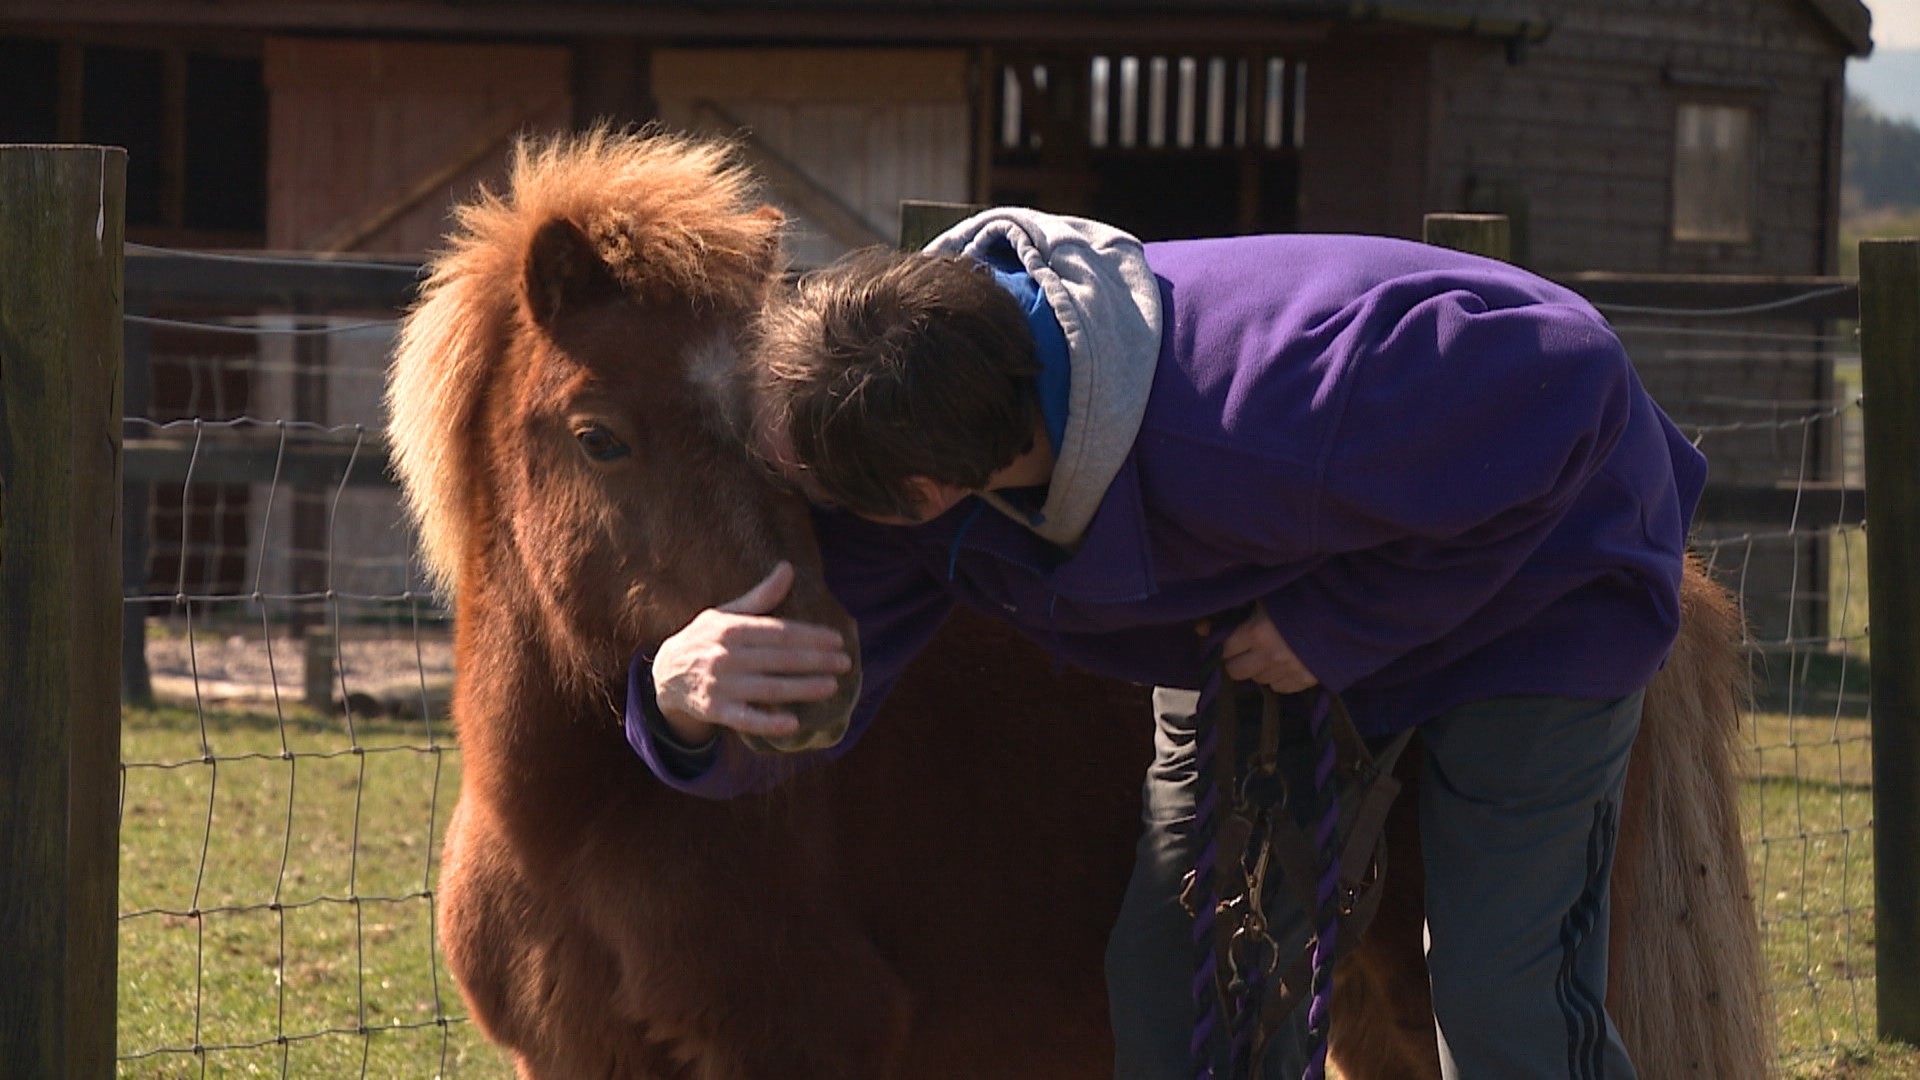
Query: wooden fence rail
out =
(160, 281)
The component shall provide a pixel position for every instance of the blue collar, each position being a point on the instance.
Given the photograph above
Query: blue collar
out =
(1049, 341)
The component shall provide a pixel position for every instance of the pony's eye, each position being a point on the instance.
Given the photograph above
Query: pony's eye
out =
(600, 444)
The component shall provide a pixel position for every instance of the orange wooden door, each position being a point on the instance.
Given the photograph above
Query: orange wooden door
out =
(370, 142)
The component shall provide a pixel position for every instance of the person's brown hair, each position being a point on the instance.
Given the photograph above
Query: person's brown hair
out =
(887, 365)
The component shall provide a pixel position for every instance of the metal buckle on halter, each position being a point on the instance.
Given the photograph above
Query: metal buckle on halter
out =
(1252, 953)
(1350, 894)
(1262, 789)
(1255, 874)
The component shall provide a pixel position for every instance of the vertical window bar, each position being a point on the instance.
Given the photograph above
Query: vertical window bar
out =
(1183, 111)
(1099, 97)
(1157, 102)
(1130, 101)
(1010, 109)
(1275, 94)
(1216, 101)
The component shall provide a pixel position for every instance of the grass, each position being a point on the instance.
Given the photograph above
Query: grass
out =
(1809, 810)
(269, 810)
(357, 989)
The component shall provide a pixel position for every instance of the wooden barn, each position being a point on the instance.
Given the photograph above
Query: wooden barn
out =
(1634, 135)
(1619, 135)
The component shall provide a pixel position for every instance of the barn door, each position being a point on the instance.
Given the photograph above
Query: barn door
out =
(840, 135)
(373, 140)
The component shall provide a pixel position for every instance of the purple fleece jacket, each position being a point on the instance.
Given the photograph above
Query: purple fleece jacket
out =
(1439, 473)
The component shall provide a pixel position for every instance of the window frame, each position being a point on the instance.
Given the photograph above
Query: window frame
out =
(170, 172)
(1749, 105)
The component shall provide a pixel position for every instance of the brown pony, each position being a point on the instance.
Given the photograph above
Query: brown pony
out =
(568, 419)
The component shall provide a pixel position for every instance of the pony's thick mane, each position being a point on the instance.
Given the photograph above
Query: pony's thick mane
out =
(671, 216)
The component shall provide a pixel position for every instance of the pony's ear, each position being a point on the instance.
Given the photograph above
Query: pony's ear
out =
(564, 270)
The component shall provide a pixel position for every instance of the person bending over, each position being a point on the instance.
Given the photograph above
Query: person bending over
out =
(1426, 481)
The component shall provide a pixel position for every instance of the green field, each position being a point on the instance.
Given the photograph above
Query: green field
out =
(355, 988)
(286, 811)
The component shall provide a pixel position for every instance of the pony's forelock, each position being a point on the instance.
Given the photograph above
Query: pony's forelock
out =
(672, 216)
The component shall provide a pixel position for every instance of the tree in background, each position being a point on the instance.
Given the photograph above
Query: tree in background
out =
(1880, 168)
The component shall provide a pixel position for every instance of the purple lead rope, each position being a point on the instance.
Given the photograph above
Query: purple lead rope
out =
(1206, 828)
(1327, 913)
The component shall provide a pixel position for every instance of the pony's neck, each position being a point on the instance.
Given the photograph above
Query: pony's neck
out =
(523, 730)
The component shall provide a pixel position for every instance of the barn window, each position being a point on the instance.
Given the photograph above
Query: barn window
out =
(1713, 172)
(193, 120)
(1165, 143)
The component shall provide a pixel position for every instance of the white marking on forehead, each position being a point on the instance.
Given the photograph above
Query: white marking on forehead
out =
(712, 365)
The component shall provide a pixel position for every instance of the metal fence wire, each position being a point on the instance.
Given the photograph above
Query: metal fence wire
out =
(297, 842)
(284, 795)
(1776, 406)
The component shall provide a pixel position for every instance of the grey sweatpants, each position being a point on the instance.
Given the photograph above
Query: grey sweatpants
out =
(1519, 808)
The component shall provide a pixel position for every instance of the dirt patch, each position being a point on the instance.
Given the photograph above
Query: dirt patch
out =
(380, 671)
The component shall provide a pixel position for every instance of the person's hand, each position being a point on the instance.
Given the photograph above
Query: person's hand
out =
(734, 666)
(1255, 652)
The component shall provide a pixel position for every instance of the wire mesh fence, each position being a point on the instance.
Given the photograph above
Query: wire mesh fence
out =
(284, 795)
(1777, 408)
(284, 792)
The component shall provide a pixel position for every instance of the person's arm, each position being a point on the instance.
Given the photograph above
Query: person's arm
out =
(897, 607)
(1464, 436)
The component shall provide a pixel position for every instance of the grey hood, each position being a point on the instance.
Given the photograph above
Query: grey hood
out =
(1096, 279)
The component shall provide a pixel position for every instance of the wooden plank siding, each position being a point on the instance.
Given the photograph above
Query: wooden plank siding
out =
(1373, 127)
(1580, 135)
(867, 127)
(356, 123)
(1585, 126)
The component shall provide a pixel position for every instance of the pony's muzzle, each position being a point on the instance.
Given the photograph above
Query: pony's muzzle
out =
(822, 724)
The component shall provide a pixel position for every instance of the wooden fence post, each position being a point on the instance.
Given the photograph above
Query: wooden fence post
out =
(136, 503)
(921, 221)
(1890, 385)
(1477, 234)
(62, 212)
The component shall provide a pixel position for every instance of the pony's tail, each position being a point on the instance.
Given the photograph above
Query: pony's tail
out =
(1689, 988)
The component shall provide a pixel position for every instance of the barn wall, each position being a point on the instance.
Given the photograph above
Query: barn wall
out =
(863, 127)
(1579, 139)
(1581, 131)
(1368, 153)
(370, 143)
(363, 128)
